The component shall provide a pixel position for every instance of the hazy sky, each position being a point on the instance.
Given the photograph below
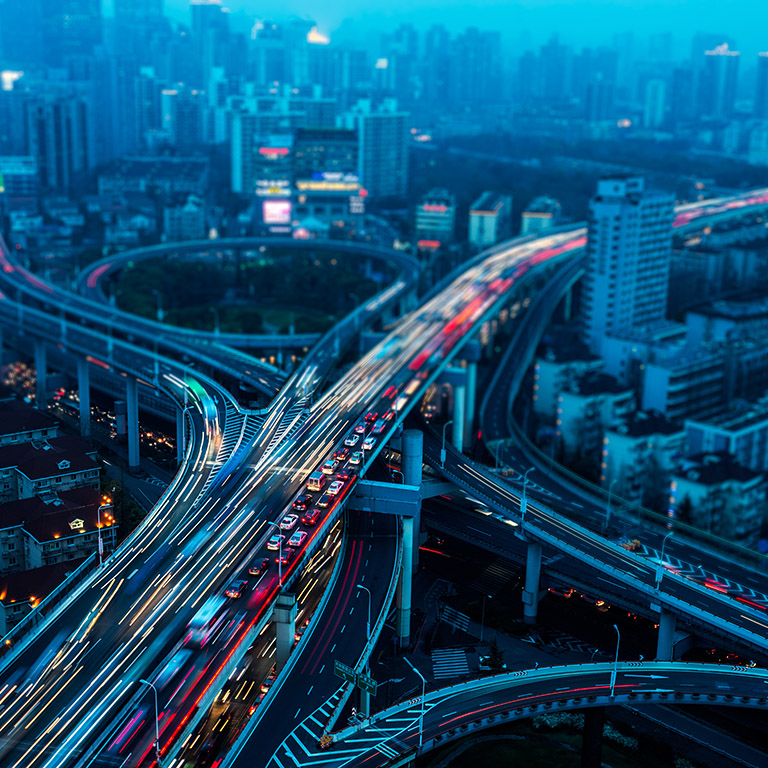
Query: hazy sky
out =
(586, 21)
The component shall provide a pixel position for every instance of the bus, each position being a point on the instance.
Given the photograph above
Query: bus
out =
(207, 620)
(316, 481)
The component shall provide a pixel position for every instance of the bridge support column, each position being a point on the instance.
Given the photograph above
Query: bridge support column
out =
(181, 435)
(665, 643)
(532, 578)
(459, 403)
(279, 358)
(472, 353)
(284, 617)
(413, 460)
(404, 585)
(132, 403)
(592, 738)
(84, 393)
(41, 375)
(568, 304)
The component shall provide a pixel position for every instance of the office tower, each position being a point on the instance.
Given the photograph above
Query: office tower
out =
(21, 34)
(12, 128)
(57, 136)
(654, 112)
(319, 151)
(717, 81)
(555, 63)
(475, 73)
(681, 95)
(490, 219)
(383, 137)
(70, 28)
(761, 92)
(435, 218)
(182, 116)
(628, 254)
(541, 213)
(435, 74)
(599, 106)
(138, 22)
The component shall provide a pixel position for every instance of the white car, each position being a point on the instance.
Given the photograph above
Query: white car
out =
(330, 466)
(356, 457)
(360, 428)
(288, 522)
(335, 487)
(297, 539)
(275, 542)
(368, 443)
(352, 440)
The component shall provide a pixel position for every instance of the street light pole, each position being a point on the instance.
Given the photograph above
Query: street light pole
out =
(101, 541)
(482, 618)
(524, 500)
(608, 505)
(442, 449)
(157, 721)
(615, 661)
(660, 564)
(368, 625)
(423, 694)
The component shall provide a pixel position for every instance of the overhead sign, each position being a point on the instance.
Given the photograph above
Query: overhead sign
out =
(366, 683)
(344, 672)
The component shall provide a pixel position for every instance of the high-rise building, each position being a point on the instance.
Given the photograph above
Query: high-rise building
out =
(435, 218)
(383, 156)
(490, 219)
(327, 150)
(717, 81)
(542, 213)
(628, 255)
(137, 23)
(761, 92)
(655, 109)
(21, 34)
(476, 67)
(70, 28)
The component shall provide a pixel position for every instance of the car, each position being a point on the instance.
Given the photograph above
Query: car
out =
(288, 522)
(324, 501)
(330, 467)
(297, 539)
(311, 518)
(345, 475)
(360, 428)
(300, 631)
(368, 443)
(269, 681)
(371, 416)
(287, 556)
(356, 457)
(275, 542)
(301, 504)
(335, 487)
(379, 427)
(341, 455)
(352, 440)
(236, 588)
(388, 415)
(259, 567)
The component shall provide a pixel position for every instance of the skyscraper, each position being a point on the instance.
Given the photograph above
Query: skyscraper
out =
(628, 254)
(655, 109)
(70, 28)
(383, 155)
(717, 81)
(761, 91)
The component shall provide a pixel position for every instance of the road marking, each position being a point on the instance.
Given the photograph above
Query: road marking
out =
(334, 648)
(485, 533)
(310, 689)
(133, 573)
(342, 631)
(297, 713)
(321, 670)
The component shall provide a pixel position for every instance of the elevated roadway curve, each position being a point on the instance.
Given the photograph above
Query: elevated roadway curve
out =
(135, 621)
(91, 280)
(453, 712)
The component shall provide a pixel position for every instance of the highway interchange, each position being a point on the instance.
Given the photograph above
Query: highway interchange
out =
(66, 690)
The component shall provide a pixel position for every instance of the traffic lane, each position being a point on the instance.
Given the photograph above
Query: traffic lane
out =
(368, 560)
(537, 687)
(722, 607)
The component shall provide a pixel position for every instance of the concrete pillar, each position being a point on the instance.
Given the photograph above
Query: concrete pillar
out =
(665, 643)
(413, 460)
(532, 577)
(459, 403)
(470, 401)
(284, 617)
(568, 305)
(279, 357)
(84, 391)
(41, 375)
(592, 738)
(132, 401)
(404, 586)
(181, 435)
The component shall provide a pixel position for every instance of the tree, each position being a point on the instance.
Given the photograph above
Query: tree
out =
(496, 660)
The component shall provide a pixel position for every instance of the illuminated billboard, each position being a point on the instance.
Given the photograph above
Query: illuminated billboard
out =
(276, 211)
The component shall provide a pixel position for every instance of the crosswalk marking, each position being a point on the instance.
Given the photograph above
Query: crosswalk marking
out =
(449, 663)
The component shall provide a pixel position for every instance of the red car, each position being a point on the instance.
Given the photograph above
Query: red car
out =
(257, 568)
(311, 518)
(287, 557)
(301, 504)
(371, 416)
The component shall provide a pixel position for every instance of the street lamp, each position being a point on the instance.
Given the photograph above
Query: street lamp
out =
(397, 471)
(279, 554)
(98, 526)
(159, 297)
(368, 625)
(608, 505)
(660, 564)
(615, 661)
(157, 722)
(423, 694)
(482, 617)
(442, 449)
(216, 325)
(524, 500)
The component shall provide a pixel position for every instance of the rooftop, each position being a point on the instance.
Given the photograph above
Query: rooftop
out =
(49, 458)
(489, 202)
(643, 423)
(738, 419)
(563, 345)
(595, 383)
(17, 417)
(714, 468)
(36, 584)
